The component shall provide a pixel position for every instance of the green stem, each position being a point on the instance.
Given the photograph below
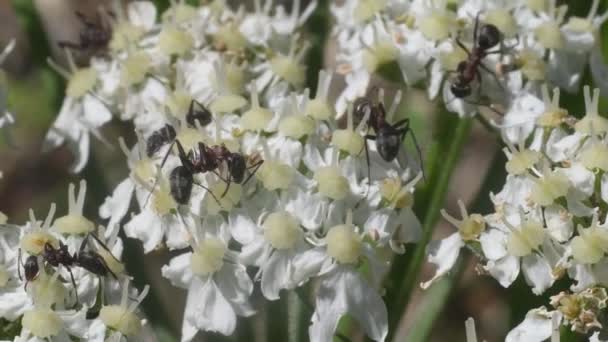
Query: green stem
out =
(437, 296)
(408, 283)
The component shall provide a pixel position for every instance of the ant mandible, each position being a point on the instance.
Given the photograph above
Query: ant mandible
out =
(89, 260)
(485, 37)
(93, 37)
(388, 137)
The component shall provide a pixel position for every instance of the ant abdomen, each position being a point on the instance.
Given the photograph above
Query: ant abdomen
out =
(201, 115)
(237, 167)
(93, 262)
(460, 90)
(159, 138)
(181, 181)
(31, 267)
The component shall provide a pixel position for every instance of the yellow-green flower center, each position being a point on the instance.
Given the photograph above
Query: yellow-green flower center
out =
(297, 126)
(120, 319)
(173, 41)
(81, 82)
(42, 322)
(208, 257)
(344, 244)
(275, 175)
(74, 224)
(331, 183)
(526, 239)
(281, 229)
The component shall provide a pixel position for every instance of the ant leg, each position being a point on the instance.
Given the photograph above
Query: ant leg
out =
(475, 29)
(418, 150)
(486, 69)
(369, 172)
(70, 45)
(400, 123)
(73, 283)
(103, 245)
(191, 107)
(19, 265)
(462, 46)
(255, 168)
(227, 187)
(209, 191)
(161, 166)
(219, 176)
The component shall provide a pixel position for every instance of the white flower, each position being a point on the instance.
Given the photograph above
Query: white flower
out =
(341, 288)
(278, 240)
(160, 218)
(536, 327)
(81, 114)
(444, 253)
(218, 286)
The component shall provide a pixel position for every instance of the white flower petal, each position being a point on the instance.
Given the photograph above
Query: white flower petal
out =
(536, 327)
(345, 291)
(207, 309)
(537, 273)
(308, 264)
(95, 113)
(276, 274)
(142, 13)
(559, 223)
(115, 207)
(444, 254)
(242, 228)
(147, 227)
(493, 244)
(178, 271)
(236, 286)
(504, 270)
(256, 252)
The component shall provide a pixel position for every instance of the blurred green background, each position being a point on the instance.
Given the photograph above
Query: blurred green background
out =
(32, 179)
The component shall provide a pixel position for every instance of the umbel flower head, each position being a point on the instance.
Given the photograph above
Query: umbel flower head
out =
(518, 46)
(235, 166)
(549, 221)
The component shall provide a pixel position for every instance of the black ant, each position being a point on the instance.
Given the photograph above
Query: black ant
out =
(196, 116)
(485, 37)
(207, 159)
(93, 37)
(90, 261)
(388, 137)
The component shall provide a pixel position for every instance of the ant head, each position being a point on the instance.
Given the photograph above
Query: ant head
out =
(460, 90)
(237, 166)
(31, 267)
(489, 36)
(202, 115)
(48, 248)
(360, 105)
(388, 144)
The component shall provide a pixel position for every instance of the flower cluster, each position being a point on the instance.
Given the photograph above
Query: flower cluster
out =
(427, 41)
(62, 278)
(237, 166)
(550, 218)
